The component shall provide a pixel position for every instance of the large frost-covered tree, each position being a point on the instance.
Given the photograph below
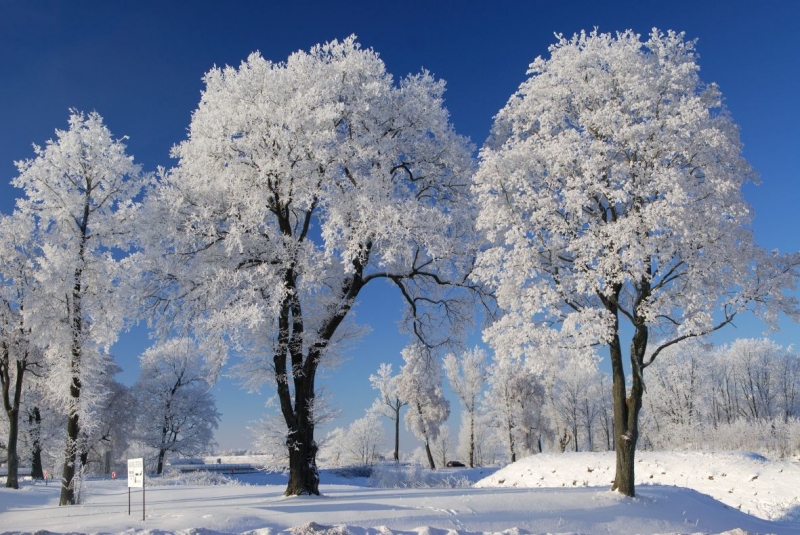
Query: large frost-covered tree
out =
(467, 374)
(177, 413)
(301, 183)
(610, 192)
(79, 189)
(420, 385)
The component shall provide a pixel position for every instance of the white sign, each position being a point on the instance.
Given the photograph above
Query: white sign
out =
(136, 473)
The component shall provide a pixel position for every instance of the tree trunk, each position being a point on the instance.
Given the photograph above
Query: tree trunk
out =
(512, 452)
(71, 449)
(626, 409)
(11, 451)
(299, 416)
(472, 439)
(162, 451)
(430, 456)
(303, 474)
(35, 421)
(11, 407)
(160, 464)
(397, 435)
(68, 474)
(68, 496)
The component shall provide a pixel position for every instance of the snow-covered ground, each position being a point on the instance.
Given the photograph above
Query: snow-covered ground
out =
(564, 493)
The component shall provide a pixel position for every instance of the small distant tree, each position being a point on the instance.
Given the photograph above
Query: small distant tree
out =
(388, 403)
(467, 374)
(420, 385)
(111, 434)
(364, 439)
(480, 438)
(788, 384)
(611, 194)
(513, 405)
(574, 399)
(177, 410)
(442, 445)
(332, 448)
(754, 363)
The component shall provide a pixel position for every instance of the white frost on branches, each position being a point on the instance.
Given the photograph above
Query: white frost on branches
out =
(80, 190)
(614, 175)
(420, 385)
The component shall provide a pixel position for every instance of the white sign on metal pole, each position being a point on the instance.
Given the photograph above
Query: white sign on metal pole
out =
(136, 480)
(136, 473)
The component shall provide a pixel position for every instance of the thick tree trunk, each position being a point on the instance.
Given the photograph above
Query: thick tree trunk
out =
(71, 449)
(627, 408)
(302, 369)
(625, 438)
(11, 406)
(68, 473)
(12, 458)
(35, 421)
(160, 464)
(68, 495)
(303, 473)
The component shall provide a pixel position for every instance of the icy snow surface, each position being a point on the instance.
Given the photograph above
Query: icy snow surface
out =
(732, 493)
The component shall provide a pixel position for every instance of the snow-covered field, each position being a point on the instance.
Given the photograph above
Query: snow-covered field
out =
(558, 493)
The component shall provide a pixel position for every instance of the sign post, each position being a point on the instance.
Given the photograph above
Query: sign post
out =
(136, 480)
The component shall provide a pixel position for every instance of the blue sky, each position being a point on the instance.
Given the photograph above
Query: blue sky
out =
(140, 64)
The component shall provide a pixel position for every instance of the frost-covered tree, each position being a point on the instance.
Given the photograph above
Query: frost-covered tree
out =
(513, 405)
(467, 374)
(442, 446)
(754, 365)
(611, 192)
(476, 435)
(300, 184)
(420, 385)
(737, 396)
(41, 426)
(575, 401)
(388, 403)
(18, 356)
(332, 451)
(112, 433)
(364, 439)
(788, 384)
(177, 412)
(676, 386)
(79, 189)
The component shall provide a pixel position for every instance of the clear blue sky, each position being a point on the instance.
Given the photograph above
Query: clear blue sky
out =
(139, 64)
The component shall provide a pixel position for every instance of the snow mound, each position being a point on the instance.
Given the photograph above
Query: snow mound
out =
(741, 480)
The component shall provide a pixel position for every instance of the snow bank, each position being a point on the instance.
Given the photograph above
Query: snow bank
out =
(744, 481)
